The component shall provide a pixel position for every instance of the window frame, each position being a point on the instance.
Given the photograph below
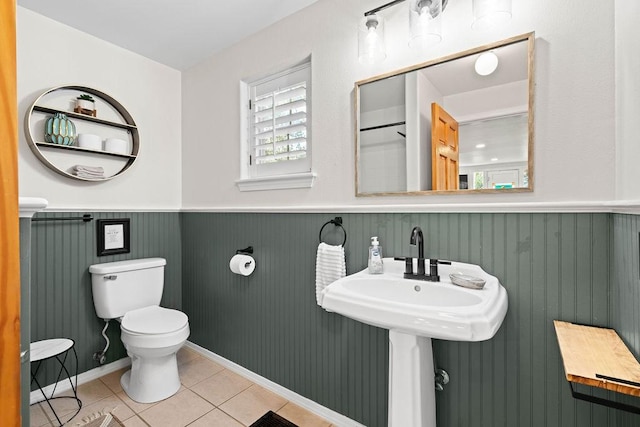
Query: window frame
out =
(279, 175)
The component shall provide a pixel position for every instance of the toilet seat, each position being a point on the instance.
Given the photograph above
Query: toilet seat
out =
(154, 320)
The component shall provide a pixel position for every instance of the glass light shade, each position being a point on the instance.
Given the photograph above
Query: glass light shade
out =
(425, 21)
(486, 63)
(487, 14)
(371, 48)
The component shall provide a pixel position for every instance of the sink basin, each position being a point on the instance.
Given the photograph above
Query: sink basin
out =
(404, 292)
(430, 309)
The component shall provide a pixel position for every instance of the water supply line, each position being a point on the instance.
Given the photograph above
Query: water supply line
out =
(441, 376)
(101, 356)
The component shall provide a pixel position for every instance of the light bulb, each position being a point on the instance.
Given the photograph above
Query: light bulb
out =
(486, 63)
(371, 40)
(425, 20)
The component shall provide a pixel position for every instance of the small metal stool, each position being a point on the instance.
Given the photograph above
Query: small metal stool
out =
(57, 348)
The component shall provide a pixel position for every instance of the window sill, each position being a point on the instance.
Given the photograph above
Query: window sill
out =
(278, 182)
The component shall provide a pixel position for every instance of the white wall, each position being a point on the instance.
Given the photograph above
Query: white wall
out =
(51, 54)
(383, 151)
(627, 41)
(422, 93)
(574, 99)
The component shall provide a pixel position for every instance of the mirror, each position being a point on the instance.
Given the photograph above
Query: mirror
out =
(443, 127)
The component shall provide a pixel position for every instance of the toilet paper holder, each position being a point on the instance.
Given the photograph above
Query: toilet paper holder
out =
(242, 262)
(246, 251)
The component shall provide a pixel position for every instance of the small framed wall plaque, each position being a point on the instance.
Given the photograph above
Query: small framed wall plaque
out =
(113, 236)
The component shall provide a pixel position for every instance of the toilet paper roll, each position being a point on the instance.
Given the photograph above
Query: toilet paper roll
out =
(242, 264)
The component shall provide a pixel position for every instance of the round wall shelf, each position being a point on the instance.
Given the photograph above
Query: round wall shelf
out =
(114, 119)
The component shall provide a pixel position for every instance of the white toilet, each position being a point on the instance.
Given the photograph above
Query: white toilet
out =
(130, 291)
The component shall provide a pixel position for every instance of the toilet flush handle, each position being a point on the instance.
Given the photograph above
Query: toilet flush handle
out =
(112, 277)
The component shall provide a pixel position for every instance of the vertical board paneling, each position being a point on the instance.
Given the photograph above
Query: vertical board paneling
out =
(624, 303)
(61, 299)
(575, 267)
(554, 266)
(269, 322)
(25, 318)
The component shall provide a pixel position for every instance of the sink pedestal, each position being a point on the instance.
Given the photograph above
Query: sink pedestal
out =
(412, 397)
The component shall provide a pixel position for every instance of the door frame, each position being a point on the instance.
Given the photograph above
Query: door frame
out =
(9, 223)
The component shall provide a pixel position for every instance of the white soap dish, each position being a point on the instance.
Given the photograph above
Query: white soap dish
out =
(465, 281)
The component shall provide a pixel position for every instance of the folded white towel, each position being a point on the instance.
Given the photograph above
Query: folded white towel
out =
(89, 169)
(330, 266)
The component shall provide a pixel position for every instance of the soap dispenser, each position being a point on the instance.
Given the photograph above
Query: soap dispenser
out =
(375, 256)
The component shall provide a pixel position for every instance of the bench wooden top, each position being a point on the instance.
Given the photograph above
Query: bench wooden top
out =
(588, 350)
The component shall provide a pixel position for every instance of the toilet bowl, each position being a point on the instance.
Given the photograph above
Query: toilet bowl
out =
(130, 291)
(152, 336)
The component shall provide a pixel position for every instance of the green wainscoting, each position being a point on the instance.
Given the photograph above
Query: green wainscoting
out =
(25, 309)
(554, 266)
(61, 299)
(575, 267)
(625, 292)
(625, 286)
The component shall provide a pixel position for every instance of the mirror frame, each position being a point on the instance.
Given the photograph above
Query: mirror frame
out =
(530, 39)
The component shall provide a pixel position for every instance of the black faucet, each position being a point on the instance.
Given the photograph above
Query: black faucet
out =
(417, 238)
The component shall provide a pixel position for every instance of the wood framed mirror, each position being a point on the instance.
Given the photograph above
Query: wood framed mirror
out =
(447, 126)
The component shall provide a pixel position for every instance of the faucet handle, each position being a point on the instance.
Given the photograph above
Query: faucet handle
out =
(433, 268)
(408, 265)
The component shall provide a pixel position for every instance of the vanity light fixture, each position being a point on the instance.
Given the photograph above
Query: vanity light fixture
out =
(488, 14)
(425, 17)
(486, 63)
(425, 24)
(481, 145)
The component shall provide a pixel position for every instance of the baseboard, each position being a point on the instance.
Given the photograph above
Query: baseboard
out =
(85, 377)
(333, 417)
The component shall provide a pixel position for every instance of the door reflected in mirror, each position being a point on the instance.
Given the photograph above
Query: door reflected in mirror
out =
(449, 125)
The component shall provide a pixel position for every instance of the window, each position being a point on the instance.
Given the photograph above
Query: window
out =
(478, 180)
(278, 137)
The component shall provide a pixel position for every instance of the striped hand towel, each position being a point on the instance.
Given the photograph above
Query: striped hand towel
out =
(330, 266)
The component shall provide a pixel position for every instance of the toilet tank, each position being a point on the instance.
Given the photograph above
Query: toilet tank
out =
(122, 286)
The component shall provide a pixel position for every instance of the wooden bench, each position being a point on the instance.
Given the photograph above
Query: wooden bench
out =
(598, 357)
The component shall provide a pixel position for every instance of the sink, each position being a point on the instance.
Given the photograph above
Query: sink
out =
(416, 311)
(432, 309)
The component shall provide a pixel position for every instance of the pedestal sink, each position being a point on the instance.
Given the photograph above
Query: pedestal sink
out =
(416, 311)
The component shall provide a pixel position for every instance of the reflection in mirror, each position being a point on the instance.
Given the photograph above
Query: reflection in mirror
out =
(445, 126)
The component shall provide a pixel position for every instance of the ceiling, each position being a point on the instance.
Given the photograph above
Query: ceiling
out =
(177, 33)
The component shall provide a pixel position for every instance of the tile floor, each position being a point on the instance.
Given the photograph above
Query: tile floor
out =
(210, 396)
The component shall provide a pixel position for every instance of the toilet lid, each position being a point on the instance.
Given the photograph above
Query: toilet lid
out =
(154, 320)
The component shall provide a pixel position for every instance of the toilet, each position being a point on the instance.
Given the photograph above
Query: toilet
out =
(130, 291)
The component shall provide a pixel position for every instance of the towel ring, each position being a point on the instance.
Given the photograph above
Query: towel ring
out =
(337, 221)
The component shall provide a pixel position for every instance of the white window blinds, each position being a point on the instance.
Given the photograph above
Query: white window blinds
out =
(278, 120)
